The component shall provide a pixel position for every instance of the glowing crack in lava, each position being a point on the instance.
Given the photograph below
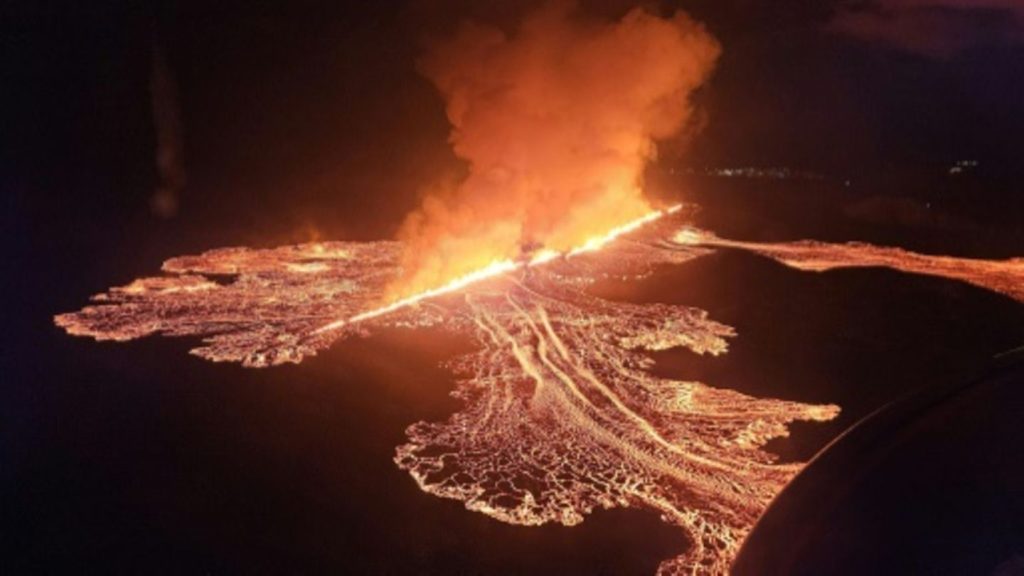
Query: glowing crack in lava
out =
(560, 415)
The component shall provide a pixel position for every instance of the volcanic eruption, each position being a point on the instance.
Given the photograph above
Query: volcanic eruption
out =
(560, 413)
(555, 121)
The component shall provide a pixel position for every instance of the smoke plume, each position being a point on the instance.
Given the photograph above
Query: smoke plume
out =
(556, 122)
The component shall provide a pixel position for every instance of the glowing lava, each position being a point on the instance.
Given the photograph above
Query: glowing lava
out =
(1003, 276)
(499, 267)
(561, 415)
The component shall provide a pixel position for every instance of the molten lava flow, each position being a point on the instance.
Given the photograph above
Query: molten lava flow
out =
(494, 269)
(561, 415)
(598, 242)
(500, 267)
(1005, 277)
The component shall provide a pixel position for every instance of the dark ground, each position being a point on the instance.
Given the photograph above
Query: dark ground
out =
(931, 484)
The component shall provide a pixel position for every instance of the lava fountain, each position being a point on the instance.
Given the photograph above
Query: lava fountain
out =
(560, 415)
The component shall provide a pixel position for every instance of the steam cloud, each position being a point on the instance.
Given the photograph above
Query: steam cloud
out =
(556, 122)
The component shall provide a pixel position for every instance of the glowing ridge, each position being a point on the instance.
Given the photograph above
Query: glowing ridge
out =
(493, 269)
(599, 242)
(499, 267)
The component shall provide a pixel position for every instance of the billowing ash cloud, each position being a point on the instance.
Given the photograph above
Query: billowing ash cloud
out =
(556, 122)
(938, 28)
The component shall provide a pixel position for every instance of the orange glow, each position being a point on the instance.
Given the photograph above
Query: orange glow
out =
(499, 267)
(544, 256)
(556, 120)
(598, 242)
(1002, 276)
(493, 269)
